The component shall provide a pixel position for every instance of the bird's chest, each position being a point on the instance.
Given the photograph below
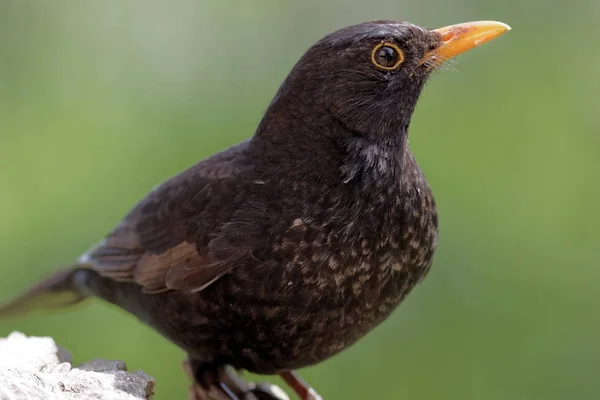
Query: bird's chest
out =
(357, 258)
(331, 270)
(337, 273)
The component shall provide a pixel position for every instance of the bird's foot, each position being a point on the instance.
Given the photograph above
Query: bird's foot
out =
(225, 384)
(299, 386)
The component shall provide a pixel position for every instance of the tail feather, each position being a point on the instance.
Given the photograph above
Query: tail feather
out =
(59, 290)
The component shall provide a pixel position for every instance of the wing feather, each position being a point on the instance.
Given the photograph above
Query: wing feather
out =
(184, 234)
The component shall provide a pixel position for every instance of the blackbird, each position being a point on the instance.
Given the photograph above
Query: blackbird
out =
(283, 250)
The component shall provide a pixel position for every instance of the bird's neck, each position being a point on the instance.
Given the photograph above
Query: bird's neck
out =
(308, 143)
(377, 163)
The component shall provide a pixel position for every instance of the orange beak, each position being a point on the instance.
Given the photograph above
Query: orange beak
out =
(456, 39)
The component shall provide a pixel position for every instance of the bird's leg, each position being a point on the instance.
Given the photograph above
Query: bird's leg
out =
(224, 384)
(299, 386)
(197, 390)
(206, 383)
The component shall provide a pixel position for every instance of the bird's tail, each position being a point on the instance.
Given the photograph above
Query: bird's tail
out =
(61, 289)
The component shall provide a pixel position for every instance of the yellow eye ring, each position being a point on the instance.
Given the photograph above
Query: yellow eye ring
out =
(387, 56)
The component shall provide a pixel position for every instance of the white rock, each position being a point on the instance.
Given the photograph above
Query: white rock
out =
(35, 368)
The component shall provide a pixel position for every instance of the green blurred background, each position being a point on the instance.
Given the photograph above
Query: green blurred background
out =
(100, 101)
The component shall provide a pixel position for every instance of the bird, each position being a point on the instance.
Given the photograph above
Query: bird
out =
(287, 248)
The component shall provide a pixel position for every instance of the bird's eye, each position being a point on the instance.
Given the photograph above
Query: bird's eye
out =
(387, 56)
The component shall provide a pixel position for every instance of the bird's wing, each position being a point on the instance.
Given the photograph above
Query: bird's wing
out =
(187, 232)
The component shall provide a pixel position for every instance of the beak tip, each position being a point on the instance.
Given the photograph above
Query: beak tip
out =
(504, 26)
(490, 25)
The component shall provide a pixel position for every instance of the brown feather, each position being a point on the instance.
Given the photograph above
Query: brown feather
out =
(164, 242)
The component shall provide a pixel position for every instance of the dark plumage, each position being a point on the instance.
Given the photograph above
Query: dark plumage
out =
(285, 249)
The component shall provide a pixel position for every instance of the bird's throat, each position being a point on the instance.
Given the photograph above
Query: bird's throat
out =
(375, 162)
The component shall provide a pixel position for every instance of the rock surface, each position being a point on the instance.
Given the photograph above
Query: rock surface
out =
(36, 368)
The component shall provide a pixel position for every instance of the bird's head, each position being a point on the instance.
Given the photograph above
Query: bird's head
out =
(369, 76)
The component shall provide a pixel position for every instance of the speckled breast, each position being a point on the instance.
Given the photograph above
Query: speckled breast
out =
(336, 272)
